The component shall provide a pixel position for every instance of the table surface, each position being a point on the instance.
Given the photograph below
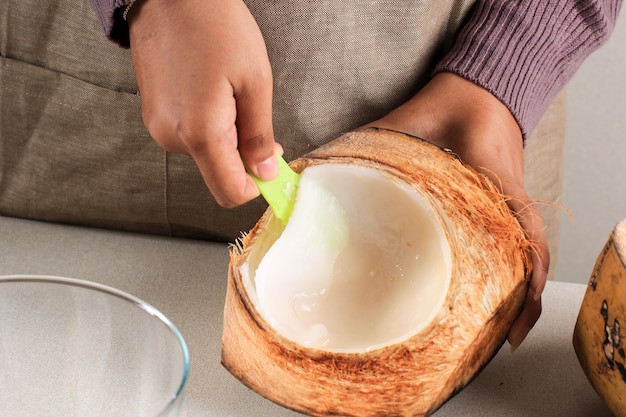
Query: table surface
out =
(186, 280)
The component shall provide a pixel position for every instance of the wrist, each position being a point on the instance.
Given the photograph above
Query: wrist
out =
(451, 109)
(456, 114)
(467, 110)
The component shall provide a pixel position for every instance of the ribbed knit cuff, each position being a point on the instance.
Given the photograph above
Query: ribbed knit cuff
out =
(524, 51)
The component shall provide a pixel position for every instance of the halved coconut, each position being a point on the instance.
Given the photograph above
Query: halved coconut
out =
(394, 282)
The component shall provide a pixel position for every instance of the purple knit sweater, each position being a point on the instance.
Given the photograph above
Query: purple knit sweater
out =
(522, 51)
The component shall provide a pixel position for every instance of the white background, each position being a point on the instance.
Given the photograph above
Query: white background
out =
(595, 157)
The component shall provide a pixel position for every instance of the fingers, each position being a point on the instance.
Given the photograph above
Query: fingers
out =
(529, 217)
(208, 133)
(226, 178)
(254, 128)
(218, 139)
(223, 170)
(222, 156)
(216, 149)
(525, 321)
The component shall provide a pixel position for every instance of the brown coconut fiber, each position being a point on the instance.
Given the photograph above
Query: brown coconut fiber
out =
(490, 275)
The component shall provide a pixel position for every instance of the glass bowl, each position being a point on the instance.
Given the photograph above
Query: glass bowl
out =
(77, 348)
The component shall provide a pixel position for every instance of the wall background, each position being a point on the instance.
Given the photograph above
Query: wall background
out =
(594, 187)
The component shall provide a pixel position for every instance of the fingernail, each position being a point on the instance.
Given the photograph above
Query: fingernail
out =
(267, 169)
(515, 341)
(517, 336)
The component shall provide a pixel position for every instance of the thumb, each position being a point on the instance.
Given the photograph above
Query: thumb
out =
(255, 132)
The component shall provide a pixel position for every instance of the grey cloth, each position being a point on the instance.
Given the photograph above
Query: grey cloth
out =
(523, 52)
(73, 147)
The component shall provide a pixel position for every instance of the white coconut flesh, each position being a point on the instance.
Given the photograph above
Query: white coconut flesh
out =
(362, 263)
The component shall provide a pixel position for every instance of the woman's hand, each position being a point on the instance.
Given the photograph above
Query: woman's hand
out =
(206, 89)
(457, 114)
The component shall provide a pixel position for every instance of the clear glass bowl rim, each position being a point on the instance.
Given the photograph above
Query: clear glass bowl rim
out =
(148, 308)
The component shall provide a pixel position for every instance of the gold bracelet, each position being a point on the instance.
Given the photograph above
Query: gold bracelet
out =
(127, 9)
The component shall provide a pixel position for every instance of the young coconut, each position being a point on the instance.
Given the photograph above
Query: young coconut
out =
(393, 284)
(597, 336)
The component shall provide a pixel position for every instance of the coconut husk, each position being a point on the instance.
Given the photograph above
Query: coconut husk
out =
(490, 274)
(597, 337)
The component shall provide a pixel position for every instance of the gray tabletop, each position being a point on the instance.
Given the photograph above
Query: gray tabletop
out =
(186, 280)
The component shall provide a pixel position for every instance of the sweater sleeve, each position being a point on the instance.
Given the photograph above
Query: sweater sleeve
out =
(109, 13)
(524, 51)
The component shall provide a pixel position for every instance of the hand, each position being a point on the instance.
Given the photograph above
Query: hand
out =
(206, 89)
(459, 115)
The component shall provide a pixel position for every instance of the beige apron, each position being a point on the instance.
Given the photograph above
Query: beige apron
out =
(73, 147)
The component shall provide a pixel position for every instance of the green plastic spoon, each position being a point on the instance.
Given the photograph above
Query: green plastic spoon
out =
(280, 193)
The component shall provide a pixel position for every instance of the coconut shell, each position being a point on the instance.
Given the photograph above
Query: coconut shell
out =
(488, 286)
(598, 342)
